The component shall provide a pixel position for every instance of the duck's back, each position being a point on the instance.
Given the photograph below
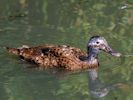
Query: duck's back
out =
(49, 56)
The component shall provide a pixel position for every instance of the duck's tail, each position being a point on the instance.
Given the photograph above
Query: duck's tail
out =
(14, 51)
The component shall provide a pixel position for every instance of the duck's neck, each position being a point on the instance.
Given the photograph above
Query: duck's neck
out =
(92, 53)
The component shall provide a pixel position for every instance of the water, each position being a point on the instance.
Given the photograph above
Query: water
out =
(70, 22)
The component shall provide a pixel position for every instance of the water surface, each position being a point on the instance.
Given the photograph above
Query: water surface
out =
(72, 22)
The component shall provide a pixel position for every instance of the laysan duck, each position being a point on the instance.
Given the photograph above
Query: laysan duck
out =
(65, 57)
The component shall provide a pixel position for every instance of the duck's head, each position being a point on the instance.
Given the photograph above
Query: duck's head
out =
(97, 44)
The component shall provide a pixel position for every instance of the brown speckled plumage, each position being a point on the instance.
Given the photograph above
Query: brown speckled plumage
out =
(59, 56)
(62, 56)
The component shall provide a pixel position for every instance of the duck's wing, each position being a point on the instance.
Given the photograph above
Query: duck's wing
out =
(50, 55)
(40, 55)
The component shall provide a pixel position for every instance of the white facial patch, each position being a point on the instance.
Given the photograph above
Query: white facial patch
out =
(97, 41)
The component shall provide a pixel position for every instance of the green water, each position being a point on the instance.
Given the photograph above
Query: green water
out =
(73, 22)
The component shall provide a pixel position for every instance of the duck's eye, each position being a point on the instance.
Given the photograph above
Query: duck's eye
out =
(97, 42)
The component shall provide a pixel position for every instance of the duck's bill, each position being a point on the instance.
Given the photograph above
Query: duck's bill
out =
(117, 54)
(112, 52)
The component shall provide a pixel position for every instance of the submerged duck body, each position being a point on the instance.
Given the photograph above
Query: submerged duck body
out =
(64, 56)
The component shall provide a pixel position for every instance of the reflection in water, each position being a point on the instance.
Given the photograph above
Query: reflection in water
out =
(97, 88)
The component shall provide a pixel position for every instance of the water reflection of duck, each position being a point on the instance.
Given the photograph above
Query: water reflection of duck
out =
(65, 57)
(99, 89)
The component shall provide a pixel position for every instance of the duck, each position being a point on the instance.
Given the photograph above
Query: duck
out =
(65, 57)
